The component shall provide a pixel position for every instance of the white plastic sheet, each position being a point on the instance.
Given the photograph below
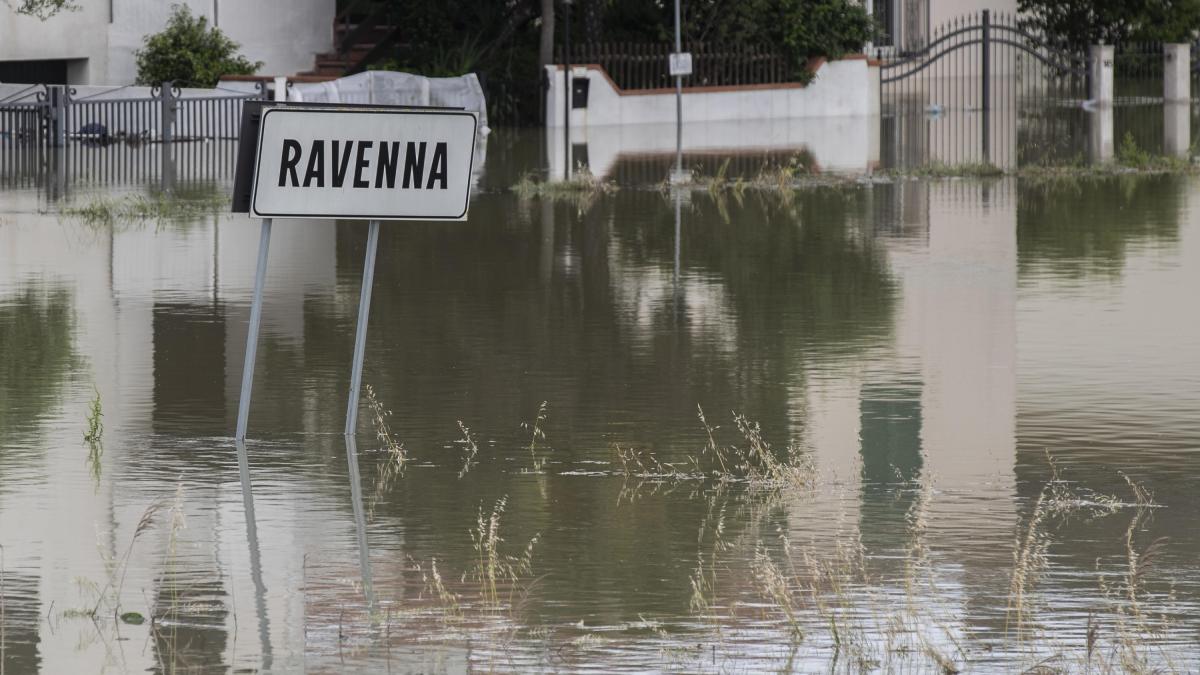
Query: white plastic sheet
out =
(392, 88)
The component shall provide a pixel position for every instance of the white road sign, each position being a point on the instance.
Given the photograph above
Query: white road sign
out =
(681, 63)
(371, 164)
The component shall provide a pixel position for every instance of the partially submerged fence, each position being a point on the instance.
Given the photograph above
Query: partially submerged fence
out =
(643, 65)
(987, 88)
(118, 134)
(958, 100)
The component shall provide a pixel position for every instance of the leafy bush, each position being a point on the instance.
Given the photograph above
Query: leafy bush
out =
(830, 28)
(823, 28)
(803, 29)
(190, 53)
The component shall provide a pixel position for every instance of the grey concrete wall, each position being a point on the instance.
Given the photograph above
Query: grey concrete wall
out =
(285, 35)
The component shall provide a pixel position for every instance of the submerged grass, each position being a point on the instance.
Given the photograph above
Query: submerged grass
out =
(159, 206)
(580, 189)
(392, 468)
(92, 437)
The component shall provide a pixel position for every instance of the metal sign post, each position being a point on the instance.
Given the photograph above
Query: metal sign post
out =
(260, 280)
(567, 89)
(360, 333)
(680, 64)
(366, 162)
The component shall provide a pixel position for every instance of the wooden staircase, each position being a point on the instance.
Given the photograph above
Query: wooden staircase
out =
(363, 32)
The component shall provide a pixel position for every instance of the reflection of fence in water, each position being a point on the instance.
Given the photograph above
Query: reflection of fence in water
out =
(117, 134)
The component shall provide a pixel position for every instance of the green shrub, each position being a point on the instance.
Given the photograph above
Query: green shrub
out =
(189, 53)
(1132, 156)
(828, 28)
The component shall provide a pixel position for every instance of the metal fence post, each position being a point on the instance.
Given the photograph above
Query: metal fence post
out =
(986, 64)
(167, 107)
(56, 94)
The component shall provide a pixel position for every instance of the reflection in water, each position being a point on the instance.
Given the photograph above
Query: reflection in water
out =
(360, 522)
(1075, 227)
(923, 343)
(39, 325)
(256, 573)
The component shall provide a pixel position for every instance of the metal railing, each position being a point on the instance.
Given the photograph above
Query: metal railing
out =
(644, 65)
(118, 134)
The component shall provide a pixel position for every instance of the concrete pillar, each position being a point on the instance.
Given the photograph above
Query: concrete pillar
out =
(1100, 67)
(1177, 99)
(1177, 128)
(1177, 64)
(1100, 70)
(1100, 134)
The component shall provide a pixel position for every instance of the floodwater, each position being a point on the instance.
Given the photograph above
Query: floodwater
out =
(972, 378)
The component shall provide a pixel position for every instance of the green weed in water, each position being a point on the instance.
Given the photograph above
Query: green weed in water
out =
(95, 425)
(581, 189)
(95, 431)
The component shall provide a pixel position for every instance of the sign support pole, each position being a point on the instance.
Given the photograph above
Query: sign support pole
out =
(678, 103)
(360, 335)
(260, 279)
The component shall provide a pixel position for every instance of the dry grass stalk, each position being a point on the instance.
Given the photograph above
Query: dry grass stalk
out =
(537, 434)
(392, 467)
(470, 449)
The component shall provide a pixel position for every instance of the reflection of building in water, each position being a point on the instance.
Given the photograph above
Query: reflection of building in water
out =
(941, 406)
(840, 144)
(143, 301)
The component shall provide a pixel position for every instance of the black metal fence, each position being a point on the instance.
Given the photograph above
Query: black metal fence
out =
(970, 95)
(642, 65)
(118, 135)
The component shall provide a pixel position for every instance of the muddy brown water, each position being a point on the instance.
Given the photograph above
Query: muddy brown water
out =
(929, 347)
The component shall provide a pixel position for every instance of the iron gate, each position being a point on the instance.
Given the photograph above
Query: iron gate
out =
(123, 134)
(984, 89)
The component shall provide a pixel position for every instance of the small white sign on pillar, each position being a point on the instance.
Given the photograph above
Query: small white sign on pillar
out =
(681, 64)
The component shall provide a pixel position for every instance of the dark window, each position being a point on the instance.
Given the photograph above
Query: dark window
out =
(34, 72)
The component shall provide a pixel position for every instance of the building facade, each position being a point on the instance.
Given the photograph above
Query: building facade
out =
(95, 42)
(908, 24)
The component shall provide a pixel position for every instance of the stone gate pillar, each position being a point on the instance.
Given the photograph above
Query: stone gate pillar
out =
(1177, 99)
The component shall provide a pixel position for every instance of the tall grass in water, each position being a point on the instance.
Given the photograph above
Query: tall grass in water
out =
(492, 566)
(117, 569)
(537, 434)
(823, 595)
(392, 467)
(470, 449)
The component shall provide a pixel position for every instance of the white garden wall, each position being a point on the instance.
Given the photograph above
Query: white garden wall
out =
(844, 88)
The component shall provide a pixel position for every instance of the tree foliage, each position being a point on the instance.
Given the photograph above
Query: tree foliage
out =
(44, 9)
(190, 53)
(499, 39)
(803, 29)
(1076, 24)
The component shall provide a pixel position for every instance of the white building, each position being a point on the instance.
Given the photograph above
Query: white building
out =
(908, 24)
(95, 43)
